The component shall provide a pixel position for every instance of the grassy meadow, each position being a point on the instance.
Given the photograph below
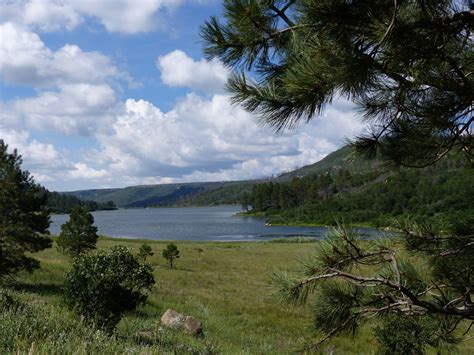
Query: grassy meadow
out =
(225, 285)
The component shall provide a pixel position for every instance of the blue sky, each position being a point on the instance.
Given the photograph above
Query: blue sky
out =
(114, 93)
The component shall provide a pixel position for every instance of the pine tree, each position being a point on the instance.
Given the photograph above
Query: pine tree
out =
(407, 64)
(170, 253)
(78, 234)
(24, 218)
(145, 251)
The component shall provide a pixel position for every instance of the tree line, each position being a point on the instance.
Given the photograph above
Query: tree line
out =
(61, 203)
(437, 193)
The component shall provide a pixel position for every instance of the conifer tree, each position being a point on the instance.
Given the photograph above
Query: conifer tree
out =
(78, 234)
(407, 65)
(170, 253)
(24, 218)
(145, 251)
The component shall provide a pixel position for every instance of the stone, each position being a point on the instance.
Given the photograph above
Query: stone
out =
(175, 320)
(192, 325)
(172, 319)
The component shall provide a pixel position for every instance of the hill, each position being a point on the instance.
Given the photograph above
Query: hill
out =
(341, 158)
(343, 187)
(200, 193)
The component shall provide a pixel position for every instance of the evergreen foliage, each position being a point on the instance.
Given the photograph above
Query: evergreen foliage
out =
(406, 64)
(170, 253)
(407, 335)
(103, 285)
(78, 234)
(62, 203)
(437, 194)
(145, 251)
(24, 218)
(346, 295)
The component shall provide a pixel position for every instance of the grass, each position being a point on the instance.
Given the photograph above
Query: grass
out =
(225, 285)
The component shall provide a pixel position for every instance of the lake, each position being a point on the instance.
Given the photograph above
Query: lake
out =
(216, 223)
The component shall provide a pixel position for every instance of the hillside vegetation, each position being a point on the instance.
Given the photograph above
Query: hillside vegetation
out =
(199, 193)
(361, 191)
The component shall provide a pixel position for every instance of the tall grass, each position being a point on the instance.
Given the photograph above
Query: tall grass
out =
(225, 285)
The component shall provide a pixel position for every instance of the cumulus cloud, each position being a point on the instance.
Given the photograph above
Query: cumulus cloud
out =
(178, 69)
(74, 109)
(76, 95)
(41, 159)
(209, 139)
(24, 59)
(123, 16)
(83, 171)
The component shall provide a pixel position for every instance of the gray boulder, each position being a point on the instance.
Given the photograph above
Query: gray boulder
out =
(175, 320)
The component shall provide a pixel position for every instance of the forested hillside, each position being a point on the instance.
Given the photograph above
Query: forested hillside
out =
(199, 193)
(356, 190)
(61, 203)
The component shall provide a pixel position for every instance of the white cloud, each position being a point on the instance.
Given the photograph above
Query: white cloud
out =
(76, 95)
(123, 16)
(75, 109)
(42, 160)
(24, 59)
(83, 171)
(178, 69)
(209, 139)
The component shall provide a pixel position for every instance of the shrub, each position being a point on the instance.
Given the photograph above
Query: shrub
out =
(400, 334)
(145, 251)
(170, 253)
(78, 234)
(104, 285)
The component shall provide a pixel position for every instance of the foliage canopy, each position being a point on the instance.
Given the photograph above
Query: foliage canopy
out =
(408, 65)
(24, 219)
(79, 233)
(170, 253)
(104, 285)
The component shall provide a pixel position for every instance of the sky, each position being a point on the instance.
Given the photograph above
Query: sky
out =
(114, 93)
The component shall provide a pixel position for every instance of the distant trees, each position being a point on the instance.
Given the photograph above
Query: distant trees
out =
(62, 203)
(436, 193)
(24, 219)
(145, 251)
(245, 201)
(102, 286)
(170, 253)
(78, 234)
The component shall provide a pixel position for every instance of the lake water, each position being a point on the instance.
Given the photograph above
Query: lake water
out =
(217, 223)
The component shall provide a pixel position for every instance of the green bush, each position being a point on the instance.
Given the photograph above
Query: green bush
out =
(104, 285)
(407, 335)
(170, 253)
(145, 251)
(78, 234)
(8, 301)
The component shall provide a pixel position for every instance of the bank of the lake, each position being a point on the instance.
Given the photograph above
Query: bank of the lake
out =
(277, 220)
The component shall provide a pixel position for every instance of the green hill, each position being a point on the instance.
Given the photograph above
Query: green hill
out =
(343, 187)
(165, 194)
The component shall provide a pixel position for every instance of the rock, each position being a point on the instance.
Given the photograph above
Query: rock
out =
(172, 319)
(175, 320)
(192, 325)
